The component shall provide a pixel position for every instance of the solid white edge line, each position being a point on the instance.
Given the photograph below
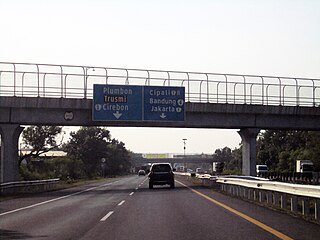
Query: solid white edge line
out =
(56, 199)
(106, 216)
(122, 202)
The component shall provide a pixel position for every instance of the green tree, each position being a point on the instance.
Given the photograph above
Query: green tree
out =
(230, 158)
(280, 149)
(237, 160)
(40, 139)
(90, 145)
(222, 155)
(269, 144)
(313, 149)
(64, 168)
(118, 158)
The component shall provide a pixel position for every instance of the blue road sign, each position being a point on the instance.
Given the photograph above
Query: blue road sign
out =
(138, 103)
(164, 103)
(117, 102)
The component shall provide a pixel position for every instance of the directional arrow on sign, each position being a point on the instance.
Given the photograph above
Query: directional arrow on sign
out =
(117, 114)
(163, 116)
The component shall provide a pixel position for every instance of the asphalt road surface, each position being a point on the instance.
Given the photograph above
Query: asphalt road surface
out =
(127, 209)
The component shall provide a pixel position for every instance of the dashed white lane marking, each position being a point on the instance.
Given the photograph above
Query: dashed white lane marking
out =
(131, 193)
(141, 184)
(106, 216)
(122, 202)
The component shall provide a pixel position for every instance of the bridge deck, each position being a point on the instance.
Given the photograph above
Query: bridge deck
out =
(51, 111)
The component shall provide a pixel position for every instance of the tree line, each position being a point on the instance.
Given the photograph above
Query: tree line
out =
(90, 153)
(277, 149)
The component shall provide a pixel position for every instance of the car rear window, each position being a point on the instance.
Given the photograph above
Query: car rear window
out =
(161, 168)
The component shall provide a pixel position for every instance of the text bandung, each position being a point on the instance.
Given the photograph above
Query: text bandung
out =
(163, 101)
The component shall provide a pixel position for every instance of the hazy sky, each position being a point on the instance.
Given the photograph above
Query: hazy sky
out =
(263, 37)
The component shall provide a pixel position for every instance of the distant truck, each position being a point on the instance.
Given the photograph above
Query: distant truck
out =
(304, 166)
(217, 167)
(214, 166)
(261, 169)
(180, 169)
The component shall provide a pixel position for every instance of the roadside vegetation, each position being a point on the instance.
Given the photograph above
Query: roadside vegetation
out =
(90, 153)
(279, 150)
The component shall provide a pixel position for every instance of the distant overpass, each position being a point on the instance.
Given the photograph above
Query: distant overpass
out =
(141, 161)
(47, 94)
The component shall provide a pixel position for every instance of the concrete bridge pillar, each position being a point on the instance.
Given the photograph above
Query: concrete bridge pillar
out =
(9, 152)
(249, 151)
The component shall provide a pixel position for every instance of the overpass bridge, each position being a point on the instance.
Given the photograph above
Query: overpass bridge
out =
(199, 160)
(46, 94)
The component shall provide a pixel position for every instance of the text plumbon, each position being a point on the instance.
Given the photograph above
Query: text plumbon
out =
(117, 91)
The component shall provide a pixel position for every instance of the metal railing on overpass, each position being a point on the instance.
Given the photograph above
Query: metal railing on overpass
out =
(70, 81)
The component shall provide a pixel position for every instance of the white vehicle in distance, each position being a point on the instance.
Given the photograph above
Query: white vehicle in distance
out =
(304, 166)
(261, 169)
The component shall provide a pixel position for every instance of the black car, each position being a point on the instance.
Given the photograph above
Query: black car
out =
(161, 174)
(141, 172)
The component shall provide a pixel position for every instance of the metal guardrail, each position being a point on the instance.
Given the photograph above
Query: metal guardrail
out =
(23, 186)
(289, 188)
(70, 81)
(295, 198)
(293, 177)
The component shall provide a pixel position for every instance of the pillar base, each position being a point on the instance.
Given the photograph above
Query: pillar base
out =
(9, 152)
(249, 151)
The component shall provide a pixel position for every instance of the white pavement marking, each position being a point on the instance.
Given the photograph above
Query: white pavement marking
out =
(122, 202)
(106, 216)
(56, 199)
(131, 193)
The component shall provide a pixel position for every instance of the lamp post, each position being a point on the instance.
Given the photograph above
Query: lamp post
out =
(184, 152)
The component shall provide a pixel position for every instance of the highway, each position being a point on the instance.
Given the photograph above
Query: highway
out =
(126, 208)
